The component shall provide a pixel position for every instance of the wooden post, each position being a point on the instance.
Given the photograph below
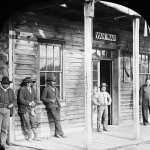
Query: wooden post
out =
(136, 76)
(88, 34)
(11, 33)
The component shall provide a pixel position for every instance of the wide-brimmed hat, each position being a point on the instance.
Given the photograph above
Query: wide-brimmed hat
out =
(103, 85)
(51, 78)
(5, 80)
(28, 80)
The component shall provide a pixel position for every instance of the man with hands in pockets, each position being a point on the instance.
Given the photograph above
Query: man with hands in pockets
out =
(27, 102)
(102, 99)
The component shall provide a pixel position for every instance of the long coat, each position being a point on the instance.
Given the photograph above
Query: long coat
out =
(50, 97)
(145, 95)
(24, 98)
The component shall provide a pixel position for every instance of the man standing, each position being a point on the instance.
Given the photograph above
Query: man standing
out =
(7, 101)
(51, 100)
(145, 100)
(27, 102)
(103, 100)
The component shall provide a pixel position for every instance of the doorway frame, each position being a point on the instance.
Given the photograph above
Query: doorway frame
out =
(111, 84)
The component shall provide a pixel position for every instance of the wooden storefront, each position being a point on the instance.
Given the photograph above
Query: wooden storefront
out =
(41, 45)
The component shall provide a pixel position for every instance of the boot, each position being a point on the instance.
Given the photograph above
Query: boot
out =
(35, 134)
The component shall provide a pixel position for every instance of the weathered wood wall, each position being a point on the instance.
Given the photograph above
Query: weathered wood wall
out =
(4, 52)
(26, 64)
(126, 88)
(26, 60)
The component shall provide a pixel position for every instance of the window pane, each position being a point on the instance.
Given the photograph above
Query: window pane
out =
(42, 64)
(41, 89)
(109, 54)
(58, 89)
(144, 64)
(95, 65)
(57, 78)
(94, 83)
(49, 75)
(42, 51)
(142, 79)
(98, 53)
(95, 76)
(103, 53)
(49, 51)
(93, 51)
(42, 78)
(57, 58)
(57, 75)
(50, 59)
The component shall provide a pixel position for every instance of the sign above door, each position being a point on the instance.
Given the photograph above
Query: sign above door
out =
(104, 36)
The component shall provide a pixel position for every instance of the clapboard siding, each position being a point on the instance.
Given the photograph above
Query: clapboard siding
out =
(25, 64)
(126, 102)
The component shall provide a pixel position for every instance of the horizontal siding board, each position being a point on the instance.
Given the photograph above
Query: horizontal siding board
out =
(25, 51)
(24, 57)
(73, 69)
(126, 102)
(25, 42)
(25, 67)
(25, 72)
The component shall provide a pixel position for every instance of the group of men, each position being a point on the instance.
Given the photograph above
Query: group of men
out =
(102, 100)
(26, 102)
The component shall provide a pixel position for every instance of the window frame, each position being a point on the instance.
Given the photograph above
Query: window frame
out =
(144, 74)
(61, 77)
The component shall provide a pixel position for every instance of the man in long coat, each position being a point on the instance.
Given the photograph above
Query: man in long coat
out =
(27, 101)
(145, 101)
(51, 100)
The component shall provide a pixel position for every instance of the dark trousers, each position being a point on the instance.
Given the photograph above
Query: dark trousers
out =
(4, 125)
(29, 124)
(102, 117)
(55, 113)
(145, 112)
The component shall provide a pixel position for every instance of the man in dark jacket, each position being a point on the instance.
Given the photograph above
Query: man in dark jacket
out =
(145, 101)
(27, 102)
(7, 101)
(51, 100)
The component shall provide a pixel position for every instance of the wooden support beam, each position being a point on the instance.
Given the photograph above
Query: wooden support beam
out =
(136, 76)
(88, 34)
(11, 127)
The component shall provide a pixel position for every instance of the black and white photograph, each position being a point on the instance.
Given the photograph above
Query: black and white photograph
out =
(74, 75)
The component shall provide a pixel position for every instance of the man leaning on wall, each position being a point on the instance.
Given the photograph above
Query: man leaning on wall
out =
(51, 100)
(27, 102)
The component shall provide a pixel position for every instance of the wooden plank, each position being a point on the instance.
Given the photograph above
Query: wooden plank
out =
(25, 72)
(24, 57)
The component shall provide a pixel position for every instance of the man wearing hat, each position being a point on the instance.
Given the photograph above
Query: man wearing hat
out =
(51, 100)
(27, 102)
(7, 101)
(103, 100)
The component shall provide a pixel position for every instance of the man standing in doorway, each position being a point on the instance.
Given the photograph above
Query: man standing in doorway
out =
(7, 102)
(103, 100)
(27, 102)
(145, 100)
(51, 100)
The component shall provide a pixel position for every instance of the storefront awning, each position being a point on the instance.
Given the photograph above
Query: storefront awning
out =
(121, 8)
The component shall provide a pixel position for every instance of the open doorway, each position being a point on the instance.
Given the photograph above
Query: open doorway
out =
(106, 76)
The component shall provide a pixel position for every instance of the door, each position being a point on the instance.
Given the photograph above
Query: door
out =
(106, 76)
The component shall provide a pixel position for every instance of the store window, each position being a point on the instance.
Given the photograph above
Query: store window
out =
(144, 67)
(51, 63)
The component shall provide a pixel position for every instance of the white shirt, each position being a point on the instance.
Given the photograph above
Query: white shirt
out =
(103, 98)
